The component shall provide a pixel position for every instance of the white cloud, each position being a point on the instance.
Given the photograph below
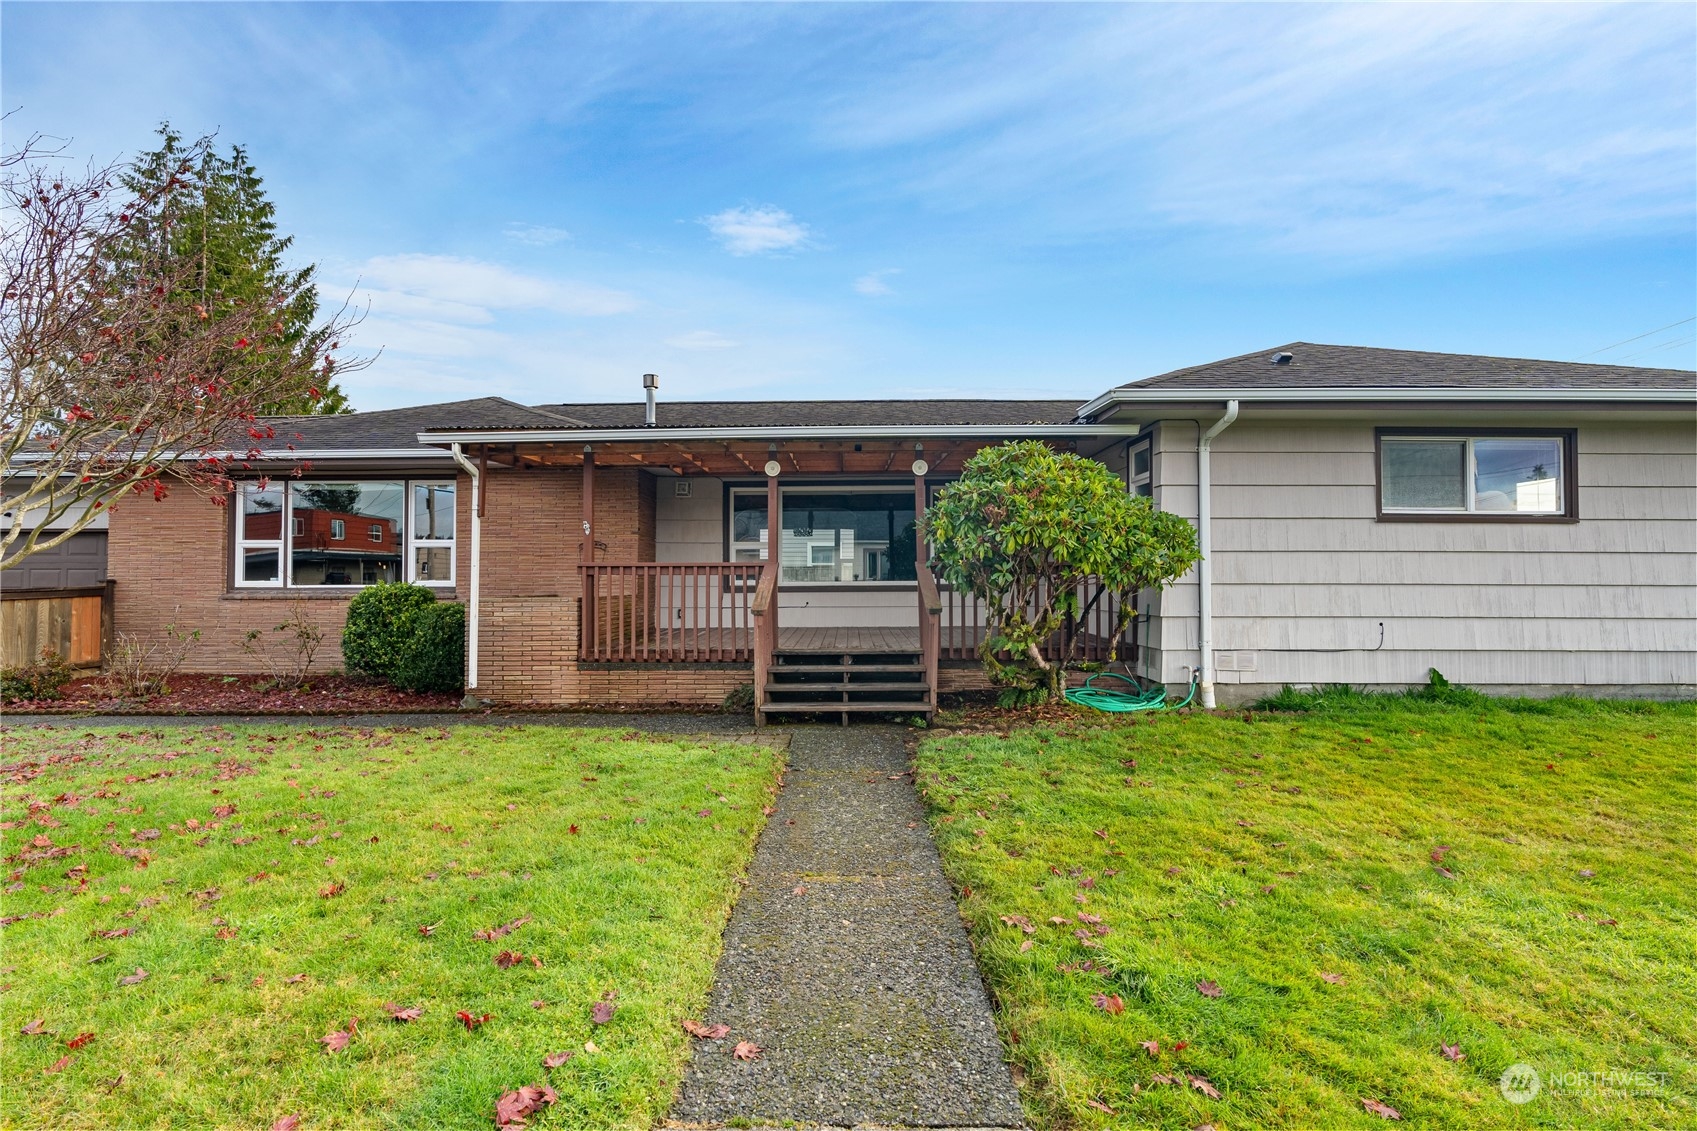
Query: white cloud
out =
(701, 340)
(872, 283)
(757, 231)
(447, 283)
(537, 235)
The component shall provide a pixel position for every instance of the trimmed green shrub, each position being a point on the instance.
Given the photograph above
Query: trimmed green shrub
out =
(434, 658)
(380, 624)
(41, 680)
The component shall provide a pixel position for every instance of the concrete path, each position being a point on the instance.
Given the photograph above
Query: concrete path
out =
(846, 962)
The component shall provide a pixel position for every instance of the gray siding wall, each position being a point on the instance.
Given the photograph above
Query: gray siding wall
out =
(1304, 574)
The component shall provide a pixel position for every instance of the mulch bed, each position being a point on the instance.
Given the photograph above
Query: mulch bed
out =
(243, 695)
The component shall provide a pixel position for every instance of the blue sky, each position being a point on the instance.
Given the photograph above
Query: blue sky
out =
(546, 201)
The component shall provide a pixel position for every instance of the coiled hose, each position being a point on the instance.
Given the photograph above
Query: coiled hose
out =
(1122, 702)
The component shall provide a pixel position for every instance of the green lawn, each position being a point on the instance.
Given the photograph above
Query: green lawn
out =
(1263, 853)
(622, 850)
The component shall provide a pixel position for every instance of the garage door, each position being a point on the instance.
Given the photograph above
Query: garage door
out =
(80, 560)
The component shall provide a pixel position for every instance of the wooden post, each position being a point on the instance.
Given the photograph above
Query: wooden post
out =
(930, 606)
(774, 531)
(588, 628)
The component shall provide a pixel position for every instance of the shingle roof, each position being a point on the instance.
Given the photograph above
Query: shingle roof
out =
(398, 428)
(816, 414)
(1315, 366)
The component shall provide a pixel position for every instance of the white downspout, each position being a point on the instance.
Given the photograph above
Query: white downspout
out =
(476, 570)
(1205, 543)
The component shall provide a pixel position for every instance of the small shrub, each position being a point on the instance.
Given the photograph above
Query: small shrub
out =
(288, 661)
(138, 669)
(433, 658)
(380, 626)
(43, 679)
(739, 699)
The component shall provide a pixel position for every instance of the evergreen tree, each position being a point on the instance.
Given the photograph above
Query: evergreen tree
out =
(226, 238)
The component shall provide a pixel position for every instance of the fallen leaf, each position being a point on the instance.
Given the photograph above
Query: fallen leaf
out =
(331, 891)
(1586, 873)
(287, 1123)
(470, 1021)
(79, 1040)
(1334, 979)
(337, 1040)
(1201, 1084)
(602, 1012)
(1108, 1003)
(1098, 1105)
(512, 1108)
(492, 933)
(1208, 989)
(1453, 1052)
(1383, 1111)
(705, 1032)
(59, 1065)
(1026, 945)
(1444, 872)
(34, 1028)
(746, 1050)
(1163, 1078)
(1180, 1046)
(294, 979)
(538, 1004)
(1153, 1048)
(430, 930)
(555, 1059)
(507, 959)
(402, 1013)
(132, 979)
(591, 1046)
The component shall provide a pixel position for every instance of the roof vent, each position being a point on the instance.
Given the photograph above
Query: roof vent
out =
(1282, 358)
(650, 382)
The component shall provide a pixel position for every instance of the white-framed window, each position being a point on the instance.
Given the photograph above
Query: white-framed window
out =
(409, 528)
(830, 534)
(1439, 474)
(1139, 469)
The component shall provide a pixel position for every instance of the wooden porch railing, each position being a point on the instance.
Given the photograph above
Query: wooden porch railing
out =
(930, 628)
(765, 610)
(660, 612)
(964, 624)
(74, 623)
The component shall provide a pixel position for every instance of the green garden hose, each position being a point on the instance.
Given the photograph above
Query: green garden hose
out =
(1120, 702)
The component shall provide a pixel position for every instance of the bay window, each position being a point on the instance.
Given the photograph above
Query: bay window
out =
(312, 534)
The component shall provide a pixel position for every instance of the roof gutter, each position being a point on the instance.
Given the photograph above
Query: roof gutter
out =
(1134, 396)
(769, 434)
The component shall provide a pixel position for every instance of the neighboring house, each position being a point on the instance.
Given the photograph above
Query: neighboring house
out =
(1368, 515)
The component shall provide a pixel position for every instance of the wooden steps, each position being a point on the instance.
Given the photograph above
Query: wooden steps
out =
(845, 683)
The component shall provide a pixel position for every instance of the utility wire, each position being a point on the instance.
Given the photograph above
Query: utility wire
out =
(1658, 349)
(1628, 341)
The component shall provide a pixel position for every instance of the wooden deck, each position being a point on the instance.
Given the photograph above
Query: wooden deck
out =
(842, 639)
(708, 645)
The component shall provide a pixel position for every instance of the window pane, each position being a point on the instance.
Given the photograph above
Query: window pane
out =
(260, 564)
(748, 516)
(1140, 461)
(320, 510)
(1517, 475)
(433, 564)
(432, 511)
(1424, 474)
(847, 536)
(262, 513)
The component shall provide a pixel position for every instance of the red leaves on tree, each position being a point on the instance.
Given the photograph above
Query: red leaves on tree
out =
(746, 1050)
(401, 1012)
(1208, 989)
(1108, 1003)
(338, 1040)
(1383, 1111)
(471, 1021)
(512, 1109)
(490, 934)
(703, 1032)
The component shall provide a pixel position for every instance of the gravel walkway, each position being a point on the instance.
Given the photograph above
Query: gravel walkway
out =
(846, 961)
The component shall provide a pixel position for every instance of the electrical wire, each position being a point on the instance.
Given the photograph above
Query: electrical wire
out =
(1629, 341)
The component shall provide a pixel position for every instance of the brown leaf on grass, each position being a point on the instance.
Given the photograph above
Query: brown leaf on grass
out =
(34, 1028)
(1586, 873)
(555, 1059)
(1334, 979)
(117, 933)
(1208, 989)
(79, 1040)
(287, 1123)
(1383, 1111)
(746, 1050)
(1439, 852)
(1153, 1048)
(224, 810)
(1108, 1003)
(512, 1109)
(704, 1032)
(1026, 945)
(402, 1012)
(58, 1065)
(539, 1004)
(574, 830)
(508, 959)
(145, 834)
(331, 891)
(1201, 1084)
(1443, 871)
(1163, 1078)
(133, 979)
(1180, 1046)
(429, 930)
(471, 1021)
(225, 932)
(490, 934)
(1098, 1105)
(602, 1012)
(294, 979)
(1453, 1052)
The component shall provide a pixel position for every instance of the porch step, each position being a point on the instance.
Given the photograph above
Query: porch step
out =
(837, 708)
(780, 666)
(821, 685)
(842, 683)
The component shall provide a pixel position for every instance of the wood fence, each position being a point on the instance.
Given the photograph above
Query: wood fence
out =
(74, 623)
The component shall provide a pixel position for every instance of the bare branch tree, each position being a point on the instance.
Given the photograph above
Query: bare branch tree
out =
(118, 376)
